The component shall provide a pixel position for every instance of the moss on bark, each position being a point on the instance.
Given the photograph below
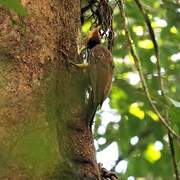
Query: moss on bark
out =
(43, 133)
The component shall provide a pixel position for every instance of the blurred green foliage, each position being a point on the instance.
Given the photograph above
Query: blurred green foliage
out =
(140, 137)
(142, 140)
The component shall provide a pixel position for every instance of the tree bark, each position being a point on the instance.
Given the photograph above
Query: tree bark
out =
(43, 106)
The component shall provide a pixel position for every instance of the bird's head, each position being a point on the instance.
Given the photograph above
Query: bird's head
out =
(93, 38)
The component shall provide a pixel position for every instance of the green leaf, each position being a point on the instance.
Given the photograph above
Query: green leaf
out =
(14, 5)
(175, 103)
(174, 116)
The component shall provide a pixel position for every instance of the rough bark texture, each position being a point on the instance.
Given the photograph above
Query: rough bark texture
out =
(43, 133)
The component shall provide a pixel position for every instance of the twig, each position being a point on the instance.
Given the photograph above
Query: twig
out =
(138, 66)
(172, 150)
(86, 8)
(157, 53)
(156, 48)
(173, 155)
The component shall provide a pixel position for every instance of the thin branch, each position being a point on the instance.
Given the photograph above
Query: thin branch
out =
(157, 53)
(173, 155)
(156, 47)
(89, 6)
(86, 8)
(172, 150)
(138, 66)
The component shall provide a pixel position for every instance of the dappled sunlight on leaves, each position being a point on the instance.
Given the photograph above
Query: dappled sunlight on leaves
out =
(153, 115)
(152, 154)
(146, 44)
(173, 30)
(139, 125)
(136, 111)
(138, 30)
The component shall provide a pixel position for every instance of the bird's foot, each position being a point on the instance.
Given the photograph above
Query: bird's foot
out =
(105, 174)
(79, 66)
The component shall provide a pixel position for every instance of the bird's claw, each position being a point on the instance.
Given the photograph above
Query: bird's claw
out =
(105, 174)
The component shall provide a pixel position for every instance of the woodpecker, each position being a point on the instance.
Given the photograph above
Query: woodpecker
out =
(100, 71)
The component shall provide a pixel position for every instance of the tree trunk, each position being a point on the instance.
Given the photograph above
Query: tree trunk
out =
(43, 106)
